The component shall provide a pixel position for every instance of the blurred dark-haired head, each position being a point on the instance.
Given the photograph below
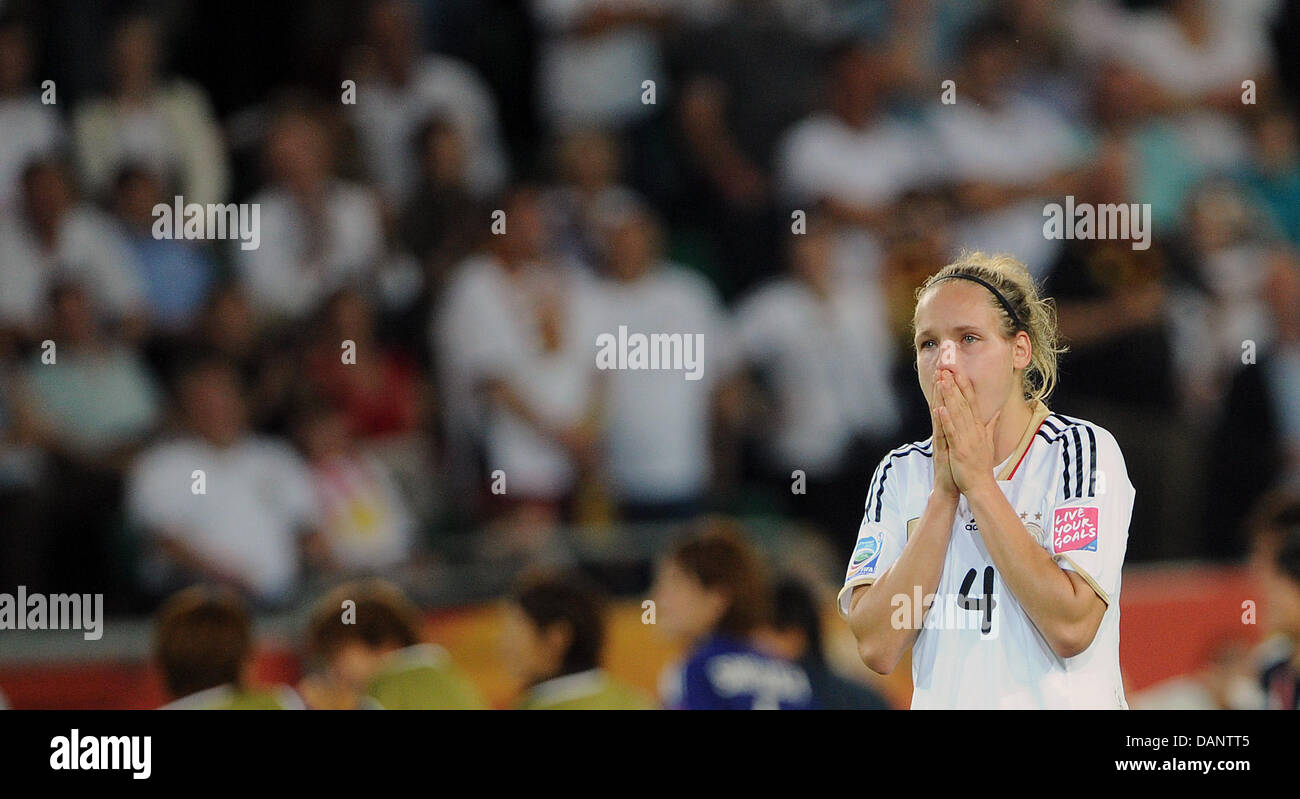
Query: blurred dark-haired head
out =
(1281, 610)
(48, 194)
(73, 313)
(631, 235)
(136, 52)
(588, 159)
(1274, 530)
(384, 618)
(348, 315)
(795, 628)
(555, 626)
(712, 583)
(381, 620)
(812, 253)
(136, 190)
(203, 638)
(15, 57)
(988, 57)
(391, 37)
(441, 152)
(321, 430)
(227, 324)
(1288, 552)
(860, 78)
(211, 397)
(526, 236)
(299, 148)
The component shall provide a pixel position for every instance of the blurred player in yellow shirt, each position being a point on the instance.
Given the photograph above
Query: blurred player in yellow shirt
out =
(554, 634)
(203, 643)
(366, 636)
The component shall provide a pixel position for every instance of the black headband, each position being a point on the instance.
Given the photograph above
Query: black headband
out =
(1005, 305)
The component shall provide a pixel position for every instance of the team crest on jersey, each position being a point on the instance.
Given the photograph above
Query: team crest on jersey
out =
(1074, 529)
(1036, 530)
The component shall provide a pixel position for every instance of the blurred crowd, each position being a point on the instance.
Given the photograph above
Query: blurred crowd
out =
(749, 644)
(457, 198)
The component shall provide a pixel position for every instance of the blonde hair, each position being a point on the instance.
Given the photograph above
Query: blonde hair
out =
(1037, 314)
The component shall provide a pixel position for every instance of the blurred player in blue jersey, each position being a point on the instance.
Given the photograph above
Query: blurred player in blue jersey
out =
(710, 592)
(795, 633)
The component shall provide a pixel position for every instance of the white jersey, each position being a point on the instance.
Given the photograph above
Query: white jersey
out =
(978, 647)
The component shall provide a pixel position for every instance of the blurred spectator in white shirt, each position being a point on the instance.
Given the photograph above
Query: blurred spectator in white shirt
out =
(589, 177)
(853, 156)
(219, 504)
(399, 88)
(482, 317)
(1224, 303)
(1197, 51)
(855, 159)
(658, 424)
(1254, 445)
(541, 430)
(31, 129)
(147, 118)
(318, 232)
(1008, 154)
(443, 221)
(595, 57)
(823, 355)
(1179, 70)
(516, 349)
(52, 236)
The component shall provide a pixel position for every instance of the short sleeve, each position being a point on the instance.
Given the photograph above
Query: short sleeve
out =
(1091, 509)
(882, 532)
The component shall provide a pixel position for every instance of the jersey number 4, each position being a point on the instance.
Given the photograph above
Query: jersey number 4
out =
(984, 603)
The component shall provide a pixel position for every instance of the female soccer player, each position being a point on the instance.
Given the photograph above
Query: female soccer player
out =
(993, 548)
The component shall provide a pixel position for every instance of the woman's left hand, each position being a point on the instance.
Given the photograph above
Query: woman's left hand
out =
(970, 443)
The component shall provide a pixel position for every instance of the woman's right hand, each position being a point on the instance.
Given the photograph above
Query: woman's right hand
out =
(944, 483)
